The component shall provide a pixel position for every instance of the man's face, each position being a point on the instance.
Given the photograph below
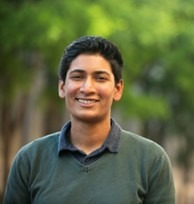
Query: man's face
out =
(90, 89)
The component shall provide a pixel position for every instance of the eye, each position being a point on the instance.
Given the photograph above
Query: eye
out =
(101, 78)
(77, 77)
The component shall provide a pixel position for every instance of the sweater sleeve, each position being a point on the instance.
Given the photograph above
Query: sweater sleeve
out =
(161, 184)
(17, 184)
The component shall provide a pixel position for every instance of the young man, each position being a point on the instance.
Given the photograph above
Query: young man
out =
(92, 159)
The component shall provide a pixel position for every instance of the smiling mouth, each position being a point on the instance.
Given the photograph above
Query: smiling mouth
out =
(86, 101)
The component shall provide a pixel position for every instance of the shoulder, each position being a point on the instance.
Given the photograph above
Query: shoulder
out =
(144, 154)
(135, 139)
(45, 144)
(140, 145)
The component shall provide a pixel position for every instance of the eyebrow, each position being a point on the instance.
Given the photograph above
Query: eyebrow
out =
(76, 70)
(83, 71)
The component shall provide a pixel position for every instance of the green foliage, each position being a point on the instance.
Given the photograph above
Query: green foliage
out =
(147, 32)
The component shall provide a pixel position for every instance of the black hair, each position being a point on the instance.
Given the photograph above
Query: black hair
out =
(92, 45)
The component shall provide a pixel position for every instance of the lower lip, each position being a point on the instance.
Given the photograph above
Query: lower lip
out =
(86, 104)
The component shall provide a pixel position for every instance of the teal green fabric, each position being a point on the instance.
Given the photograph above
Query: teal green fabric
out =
(139, 173)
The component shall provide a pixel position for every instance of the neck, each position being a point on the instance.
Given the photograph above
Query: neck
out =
(88, 136)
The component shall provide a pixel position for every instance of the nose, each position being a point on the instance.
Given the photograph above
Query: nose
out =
(87, 86)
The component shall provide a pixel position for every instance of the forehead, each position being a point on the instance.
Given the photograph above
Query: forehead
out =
(89, 62)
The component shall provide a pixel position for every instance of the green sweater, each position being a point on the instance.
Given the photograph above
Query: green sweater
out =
(139, 173)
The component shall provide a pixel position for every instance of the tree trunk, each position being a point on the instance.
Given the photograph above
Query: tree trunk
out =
(7, 130)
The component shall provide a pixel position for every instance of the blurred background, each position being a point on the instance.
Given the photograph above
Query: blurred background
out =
(156, 39)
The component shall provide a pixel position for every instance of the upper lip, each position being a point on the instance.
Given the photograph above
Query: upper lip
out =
(87, 99)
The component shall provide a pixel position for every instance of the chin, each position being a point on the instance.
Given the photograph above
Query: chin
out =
(91, 119)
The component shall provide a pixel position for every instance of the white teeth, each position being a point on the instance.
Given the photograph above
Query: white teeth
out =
(86, 101)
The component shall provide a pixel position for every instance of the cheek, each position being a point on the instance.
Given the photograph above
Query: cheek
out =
(71, 90)
(107, 93)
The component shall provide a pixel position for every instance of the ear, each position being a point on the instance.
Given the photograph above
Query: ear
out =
(61, 89)
(118, 90)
